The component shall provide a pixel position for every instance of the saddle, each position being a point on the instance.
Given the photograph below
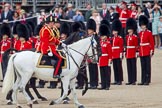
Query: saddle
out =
(46, 61)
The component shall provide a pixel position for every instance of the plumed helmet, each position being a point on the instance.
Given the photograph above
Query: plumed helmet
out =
(37, 29)
(143, 20)
(91, 24)
(104, 30)
(65, 28)
(5, 29)
(50, 18)
(76, 26)
(131, 24)
(117, 26)
(22, 31)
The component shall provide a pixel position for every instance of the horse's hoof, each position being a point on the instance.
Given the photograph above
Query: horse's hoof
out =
(9, 103)
(81, 106)
(18, 107)
(43, 99)
(65, 102)
(35, 102)
(52, 103)
(67, 98)
(30, 105)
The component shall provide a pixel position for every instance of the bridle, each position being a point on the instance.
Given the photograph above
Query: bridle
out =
(84, 55)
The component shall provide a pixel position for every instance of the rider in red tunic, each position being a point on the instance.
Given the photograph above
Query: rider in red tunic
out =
(49, 43)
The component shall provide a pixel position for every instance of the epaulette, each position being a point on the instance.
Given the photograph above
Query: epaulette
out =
(28, 42)
(119, 36)
(148, 30)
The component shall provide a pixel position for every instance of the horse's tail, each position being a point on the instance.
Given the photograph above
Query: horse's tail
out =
(9, 78)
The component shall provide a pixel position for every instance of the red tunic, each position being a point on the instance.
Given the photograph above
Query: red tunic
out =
(131, 46)
(117, 47)
(17, 44)
(33, 40)
(146, 43)
(37, 46)
(5, 45)
(48, 40)
(124, 15)
(25, 46)
(106, 53)
(133, 14)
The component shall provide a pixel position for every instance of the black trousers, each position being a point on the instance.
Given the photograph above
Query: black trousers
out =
(118, 70)
(132, 70)
(145, 69)
(105, 73)
(80, 78)
(93, 74)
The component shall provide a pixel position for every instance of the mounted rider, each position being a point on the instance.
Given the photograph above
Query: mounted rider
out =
(49, 42)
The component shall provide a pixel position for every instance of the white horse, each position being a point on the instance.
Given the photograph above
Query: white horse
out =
(22, 66)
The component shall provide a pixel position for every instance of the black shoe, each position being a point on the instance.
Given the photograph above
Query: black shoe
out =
(119, 83)
(93, 87)
(107, 88)
(140, 83)
(146, 84)
(40, 86)
(133, 83)
(102, 88)
(128, 83)
(51, 87)
(115, 83)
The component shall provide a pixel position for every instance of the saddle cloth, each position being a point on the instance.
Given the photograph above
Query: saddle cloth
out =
(46, 61)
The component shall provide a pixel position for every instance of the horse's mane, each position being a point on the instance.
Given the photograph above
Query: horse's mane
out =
(78, 43)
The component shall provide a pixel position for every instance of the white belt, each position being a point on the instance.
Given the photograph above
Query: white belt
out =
(104, 55)
(144, 44)
(116, 47)
(130, 47)
(2, 52)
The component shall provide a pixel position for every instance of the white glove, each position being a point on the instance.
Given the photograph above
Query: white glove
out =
(63, 45)
(110, 62)
(137, 54)
(151, 53)
(121, 55)
(50, 54)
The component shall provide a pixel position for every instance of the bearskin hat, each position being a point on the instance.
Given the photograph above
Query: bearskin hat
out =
(143, 20)
(91, 24)
(131, 24)
(117, 26)
(65, 28)
(32, 25)
(106, 22)
(37, 29)
(14, 27)
(83, 25)
(76, 26)
(22, 31)
(5, 29)
(104, 30)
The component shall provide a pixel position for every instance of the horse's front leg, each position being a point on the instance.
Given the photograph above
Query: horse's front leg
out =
(65, 83)
(73, 89)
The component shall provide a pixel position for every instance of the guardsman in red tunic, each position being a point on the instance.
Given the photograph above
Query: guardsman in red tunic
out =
(105, 58)
(131, 49)
(36, 33)
(23, 35)
(123, 12)
(133, 11)
(117, 52)
(49, 43)
(146, 50)
(5, 43)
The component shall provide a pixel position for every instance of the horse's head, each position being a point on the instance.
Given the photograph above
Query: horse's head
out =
(95, 49)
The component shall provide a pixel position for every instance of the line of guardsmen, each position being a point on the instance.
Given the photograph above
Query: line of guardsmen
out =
(112, 48)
